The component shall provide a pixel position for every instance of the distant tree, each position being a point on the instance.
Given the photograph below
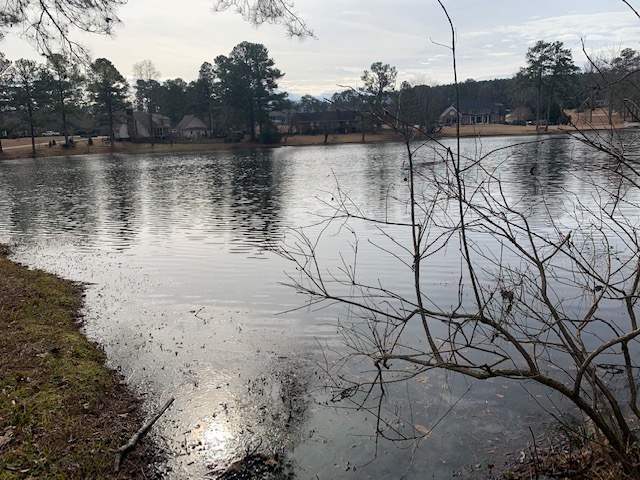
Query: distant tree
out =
(521, 115)
(416, 106)
(248, 83)
(4, 90)
(561, 70)
(309, 103)
(626, 71)
(49, 24)
(348, 99)
(205, 92)
(537, 67)
(549, 65)
(63, 82)
(469, 89)
(174, 101)
(147, 91)
(354, 101)
(26, 93)
(617, 76)
(379, 81)
(108, 92)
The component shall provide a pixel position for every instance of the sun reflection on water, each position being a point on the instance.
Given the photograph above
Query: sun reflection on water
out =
(216, 440)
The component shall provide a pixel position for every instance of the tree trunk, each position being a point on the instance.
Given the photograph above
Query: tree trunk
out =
(539, 101)
(33, 138)
(251, 123)
(553, 88)
(64, 117)
(153, 140)
(110, 116)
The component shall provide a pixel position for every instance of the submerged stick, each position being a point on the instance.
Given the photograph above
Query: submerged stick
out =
(133, 441)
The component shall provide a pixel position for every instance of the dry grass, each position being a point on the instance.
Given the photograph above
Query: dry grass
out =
(577, 459)
(21, 148)
(62, 412)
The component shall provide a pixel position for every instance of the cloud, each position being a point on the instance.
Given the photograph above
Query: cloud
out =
(410, 34)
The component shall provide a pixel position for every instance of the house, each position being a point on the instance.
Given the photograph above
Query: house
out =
(333, 121)
(474, 112)
(137, 126)
(14, 125)
(192, 127)
(282, 117)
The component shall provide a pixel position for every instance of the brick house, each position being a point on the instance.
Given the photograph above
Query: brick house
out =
(473, 112)
(333, 121)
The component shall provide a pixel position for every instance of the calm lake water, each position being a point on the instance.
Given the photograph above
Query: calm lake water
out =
(188, 302)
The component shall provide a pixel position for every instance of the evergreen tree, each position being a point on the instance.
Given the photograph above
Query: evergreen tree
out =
(549, 66)
(173, 99)
(108, 93)
(205, 93)
(26, 93)
(248, 83)
(379, 82)
(63, 83)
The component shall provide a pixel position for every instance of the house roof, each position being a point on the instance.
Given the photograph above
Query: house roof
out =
(465, 105)
(191, 122)
(472, 106)
(156, 118)
(286, 111)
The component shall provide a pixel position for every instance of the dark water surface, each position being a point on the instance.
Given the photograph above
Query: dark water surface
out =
(187, 301)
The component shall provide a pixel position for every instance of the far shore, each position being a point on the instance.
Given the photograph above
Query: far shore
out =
(21, 148)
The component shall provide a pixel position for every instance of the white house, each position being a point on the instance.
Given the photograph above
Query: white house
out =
(192, 127)
(137, 126)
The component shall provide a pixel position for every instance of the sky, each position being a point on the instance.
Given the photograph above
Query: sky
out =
(413, 35)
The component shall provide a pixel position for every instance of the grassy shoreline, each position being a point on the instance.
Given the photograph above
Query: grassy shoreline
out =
(63, 413)
(21, 148)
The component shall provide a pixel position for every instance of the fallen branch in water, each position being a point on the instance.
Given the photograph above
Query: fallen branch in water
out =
(133, 441)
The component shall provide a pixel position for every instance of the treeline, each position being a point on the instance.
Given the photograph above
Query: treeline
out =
(240, 90)
(235, 91)
(549, 84)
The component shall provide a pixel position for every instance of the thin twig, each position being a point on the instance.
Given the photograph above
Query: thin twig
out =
(133, 441)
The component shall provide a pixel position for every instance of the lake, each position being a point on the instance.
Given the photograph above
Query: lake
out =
(186, 297)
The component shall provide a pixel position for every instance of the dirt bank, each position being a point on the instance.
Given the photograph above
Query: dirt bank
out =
(63, 413)
(21, 148)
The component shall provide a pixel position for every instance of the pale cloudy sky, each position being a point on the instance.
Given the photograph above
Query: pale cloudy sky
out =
(493, 37)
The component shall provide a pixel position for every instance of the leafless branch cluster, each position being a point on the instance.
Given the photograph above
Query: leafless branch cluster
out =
(49, 24)
(546, 291)
(553, 302)
(257, 12)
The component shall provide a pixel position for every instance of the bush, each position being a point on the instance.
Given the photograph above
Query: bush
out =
(270, 135)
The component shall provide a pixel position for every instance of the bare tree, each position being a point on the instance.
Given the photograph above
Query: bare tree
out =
(147, 88)
(4, 89)
(551, 301)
